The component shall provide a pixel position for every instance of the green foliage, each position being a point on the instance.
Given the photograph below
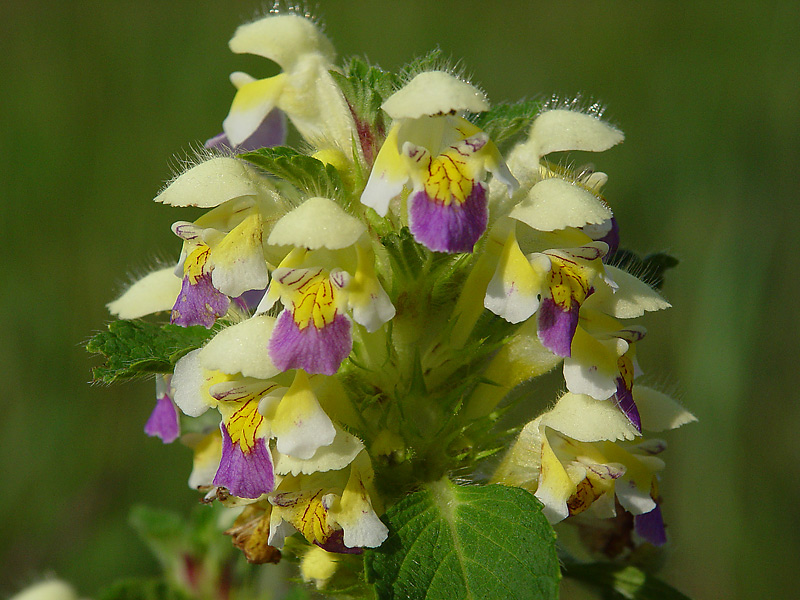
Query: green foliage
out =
(306, 173)
(137, 348)
(366, 87)
(432, 61)
(504, 121)
(142, 589)
(412, 262)
(298, 593)
(649, 269)
(479, 542)
(622, 582)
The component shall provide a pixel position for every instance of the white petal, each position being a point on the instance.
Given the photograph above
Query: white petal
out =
(555, 204)
(278, 531)
(380, 189)
(317, 223)
(434, 93)
(367, 532)
(561, 129)
(211, 183)
(374, 312)
(585, 419)
(514, 292)
(587, 379)
(248, 273)
(154, 292)
(187, 383)
(632, 499)
(242, 348)
(659, 412)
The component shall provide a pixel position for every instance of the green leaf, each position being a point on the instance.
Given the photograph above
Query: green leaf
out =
(620, 581)
(454, 542)
(366, 87)
(649, 269)
(306, 173)
(141, 589)
(504, 121)
(136, 348)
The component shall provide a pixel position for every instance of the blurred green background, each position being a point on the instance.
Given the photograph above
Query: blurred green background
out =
(99, 95)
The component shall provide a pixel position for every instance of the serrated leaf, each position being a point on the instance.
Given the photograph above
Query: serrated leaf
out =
(136, 348)
(452, 542)
(504, 121)
(621, 581)
(306, 173)
(141, 589)
(365, 87)
(649, 269)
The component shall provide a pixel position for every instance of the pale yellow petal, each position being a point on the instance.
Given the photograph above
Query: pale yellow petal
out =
(559, 130)
(585, 419)
(434, 93)
(211, 183)
(337, 455)
(281, 38)
(317, 223)
(242, 348)
(631, 299)
(155, 292)
(556, 204)
(659, 412)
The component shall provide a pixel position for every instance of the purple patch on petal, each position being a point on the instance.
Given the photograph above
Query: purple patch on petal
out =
(245, 474)
(612, 239)
(650, 527)
(624, 399)
(311, 349)
(199, 304)
(163, 422)
(271, 132)
(250, 299)
(451, 228)
(335, 543)
(557, 327)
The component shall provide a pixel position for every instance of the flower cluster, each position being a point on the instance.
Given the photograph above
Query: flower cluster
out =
(370, 302)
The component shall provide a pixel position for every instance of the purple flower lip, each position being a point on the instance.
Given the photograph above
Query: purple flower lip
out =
(271, 132)
(557, 327)
(164, 422)
(199, 303)
(335, 543)
(311, 349)
(650, 527)
(452, 227)
(624, 400)
(245, 474)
